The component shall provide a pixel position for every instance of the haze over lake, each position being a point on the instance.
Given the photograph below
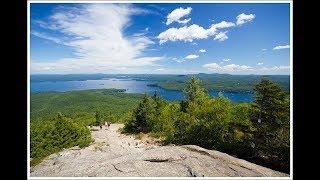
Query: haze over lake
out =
(130, 85)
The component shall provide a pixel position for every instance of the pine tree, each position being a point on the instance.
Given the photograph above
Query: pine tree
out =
(194, 90)
(270, 105)
(144, 114)
(271, 118)
(99, 118)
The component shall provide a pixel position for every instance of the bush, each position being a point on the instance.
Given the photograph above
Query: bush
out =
(217, 123)
(61, 132)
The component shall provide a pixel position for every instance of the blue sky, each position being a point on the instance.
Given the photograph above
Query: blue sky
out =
(160, 38)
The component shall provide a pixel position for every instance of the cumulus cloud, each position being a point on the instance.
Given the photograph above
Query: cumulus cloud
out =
(221, 36)
(281, 47)
(194, 31)
(221, 25)
(192, 56)
(244, 18)
(183, 34)
(177, 14)
(260, 63)
(188, 57)
(95, 33)
(227, 68)
(202, 50)
(275, 68)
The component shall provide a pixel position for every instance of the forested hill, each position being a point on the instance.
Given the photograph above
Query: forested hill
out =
(220, 82)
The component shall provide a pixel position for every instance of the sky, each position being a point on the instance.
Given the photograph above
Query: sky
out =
(154, 38)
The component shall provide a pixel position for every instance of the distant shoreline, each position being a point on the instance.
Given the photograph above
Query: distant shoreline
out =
(212, 82)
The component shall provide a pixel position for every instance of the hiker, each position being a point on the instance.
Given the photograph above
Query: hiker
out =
(109, 124)
(106, 124)
(100, 126)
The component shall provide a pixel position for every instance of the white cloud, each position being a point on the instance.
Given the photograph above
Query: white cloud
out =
(244, 69)
(47, 37)
(281, 47)
(194, 31)
(235, 67)
(95, 33)
(202, 50)
(177, 14)
(221, 36)
(226, 60)
(244, 18)
(221, 25)
(275, 68)
(183, 34)
(185, 21)
(227, 68)
(212, 66)
(178, 60)
(192, 56)
(160, 69)
(263, 49)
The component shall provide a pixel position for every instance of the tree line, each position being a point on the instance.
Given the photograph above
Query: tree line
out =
(257, 131)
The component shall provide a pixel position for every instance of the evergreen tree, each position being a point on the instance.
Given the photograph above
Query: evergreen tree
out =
(271, 118)
(144, 114)
(99, 118)
(270, 103)
(194, 90)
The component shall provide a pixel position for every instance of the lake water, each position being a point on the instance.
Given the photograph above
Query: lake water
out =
(131, 86)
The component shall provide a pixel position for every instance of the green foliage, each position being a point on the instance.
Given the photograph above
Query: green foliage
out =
(82, 103)
(219, 82)
(50, 133)
(194, 90)
(143, 115)
(56, 134)
(271, 118)
(217, 123)
(101, 118)
(248, 130)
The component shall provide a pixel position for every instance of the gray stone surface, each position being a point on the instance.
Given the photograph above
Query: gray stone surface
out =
(115, 154)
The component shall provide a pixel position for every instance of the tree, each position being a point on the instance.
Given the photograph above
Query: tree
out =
(270, 102)
(271, 118)
(99, 118)
(194, 90)
(142, 117)
(159, 103)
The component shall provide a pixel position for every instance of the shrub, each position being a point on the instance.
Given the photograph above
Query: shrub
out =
(61, 132)
(217, 123)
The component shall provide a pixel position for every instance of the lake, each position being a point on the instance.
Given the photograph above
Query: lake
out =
(130, 85)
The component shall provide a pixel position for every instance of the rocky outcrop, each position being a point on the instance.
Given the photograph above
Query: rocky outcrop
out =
(114, 154)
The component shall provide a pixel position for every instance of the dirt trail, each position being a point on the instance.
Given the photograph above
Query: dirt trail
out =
(115, 154)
